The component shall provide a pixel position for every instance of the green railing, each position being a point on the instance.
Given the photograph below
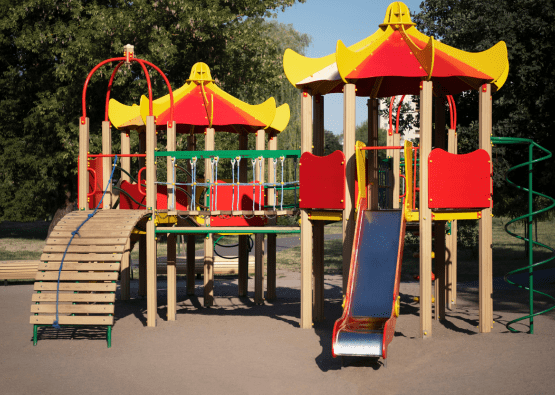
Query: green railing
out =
(529, 218)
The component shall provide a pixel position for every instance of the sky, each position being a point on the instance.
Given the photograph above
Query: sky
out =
(327, 21)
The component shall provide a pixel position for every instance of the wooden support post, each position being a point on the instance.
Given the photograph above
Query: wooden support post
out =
(142, 145)
(451, 243)
(171, 146)
(191, 146)
(439, 251)
(190, 265)
(126, 258)
(243, 268)
(142, 265)
(272, 238)
(485, 229)
(318, 259)
(151, 286)
(172, 237)
(125, 272)
(318, 228)
(172, 277)
(373, 181)
(389, 136)
(396, 179)
(106, 164)
(125, 150)
(439, 243)
(306, 225)
(349, 218)
(83, 163)
(259, 238)
(425, 212)
(259, 268)
(142, 238)
(209, 239)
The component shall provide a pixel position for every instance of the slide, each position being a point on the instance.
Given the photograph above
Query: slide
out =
(371, 305)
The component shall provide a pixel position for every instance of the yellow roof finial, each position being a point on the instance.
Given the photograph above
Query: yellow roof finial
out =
(397, 14)
(200, 72)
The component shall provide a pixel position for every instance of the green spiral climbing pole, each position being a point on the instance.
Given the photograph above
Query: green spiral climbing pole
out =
(529, 218)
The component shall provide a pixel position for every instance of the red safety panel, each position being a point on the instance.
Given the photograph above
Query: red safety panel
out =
(459, 181)
(96, 165)
(225, 198)
(161, 197)
(322, 181)
(125, 203)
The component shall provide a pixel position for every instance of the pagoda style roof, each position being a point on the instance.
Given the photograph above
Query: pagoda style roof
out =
(394, 60)
(200, 104)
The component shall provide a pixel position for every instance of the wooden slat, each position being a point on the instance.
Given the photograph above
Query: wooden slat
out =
(15, 266)
(90, 287)
(80, 266)
(17, 276)
(72, 320)
(85, 241)
(114, 220)
(25, 262)
(94, 227)
(72, 276)
(91, 234)
(88, 249)
(57, 257)
(71, 297)
(73, 308)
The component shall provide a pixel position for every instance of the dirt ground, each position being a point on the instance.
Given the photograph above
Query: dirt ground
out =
(237, 347)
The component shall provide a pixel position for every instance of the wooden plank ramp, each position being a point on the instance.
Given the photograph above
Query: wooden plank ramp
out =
(91, 267)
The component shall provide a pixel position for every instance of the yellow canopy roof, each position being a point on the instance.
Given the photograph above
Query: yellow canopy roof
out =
(395, 59)
(199, 104)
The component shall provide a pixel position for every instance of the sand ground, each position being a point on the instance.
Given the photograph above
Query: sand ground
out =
(237, 347)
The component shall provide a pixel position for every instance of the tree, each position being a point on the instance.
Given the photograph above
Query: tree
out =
(361, 134)
(48, 47)
(522, 107)
(331, 143)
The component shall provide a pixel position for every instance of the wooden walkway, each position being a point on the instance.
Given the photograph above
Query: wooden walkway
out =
(91, 268)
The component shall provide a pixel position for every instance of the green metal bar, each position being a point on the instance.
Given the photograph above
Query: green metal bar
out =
(208, 230)
(231, 154)
(530, 238)
(109, 335)
(529, 241)
(35, 334)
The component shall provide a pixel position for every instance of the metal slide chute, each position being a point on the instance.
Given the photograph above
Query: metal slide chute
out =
(371, 305)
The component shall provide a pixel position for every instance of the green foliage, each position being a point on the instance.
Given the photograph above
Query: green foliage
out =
(48, 47)
(331, 143)
(407, 116)
(361, 134)
(522, 107)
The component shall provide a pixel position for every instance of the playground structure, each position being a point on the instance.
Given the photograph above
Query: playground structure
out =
(396, 60)
(149, 207)
(399, 60)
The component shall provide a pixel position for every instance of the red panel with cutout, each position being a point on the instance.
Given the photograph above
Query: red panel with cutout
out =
(459, 181)
(322, 181)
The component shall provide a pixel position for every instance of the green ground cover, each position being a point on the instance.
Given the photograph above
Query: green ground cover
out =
(26, 241)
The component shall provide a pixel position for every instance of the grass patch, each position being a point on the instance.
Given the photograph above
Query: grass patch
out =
(25, 241)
